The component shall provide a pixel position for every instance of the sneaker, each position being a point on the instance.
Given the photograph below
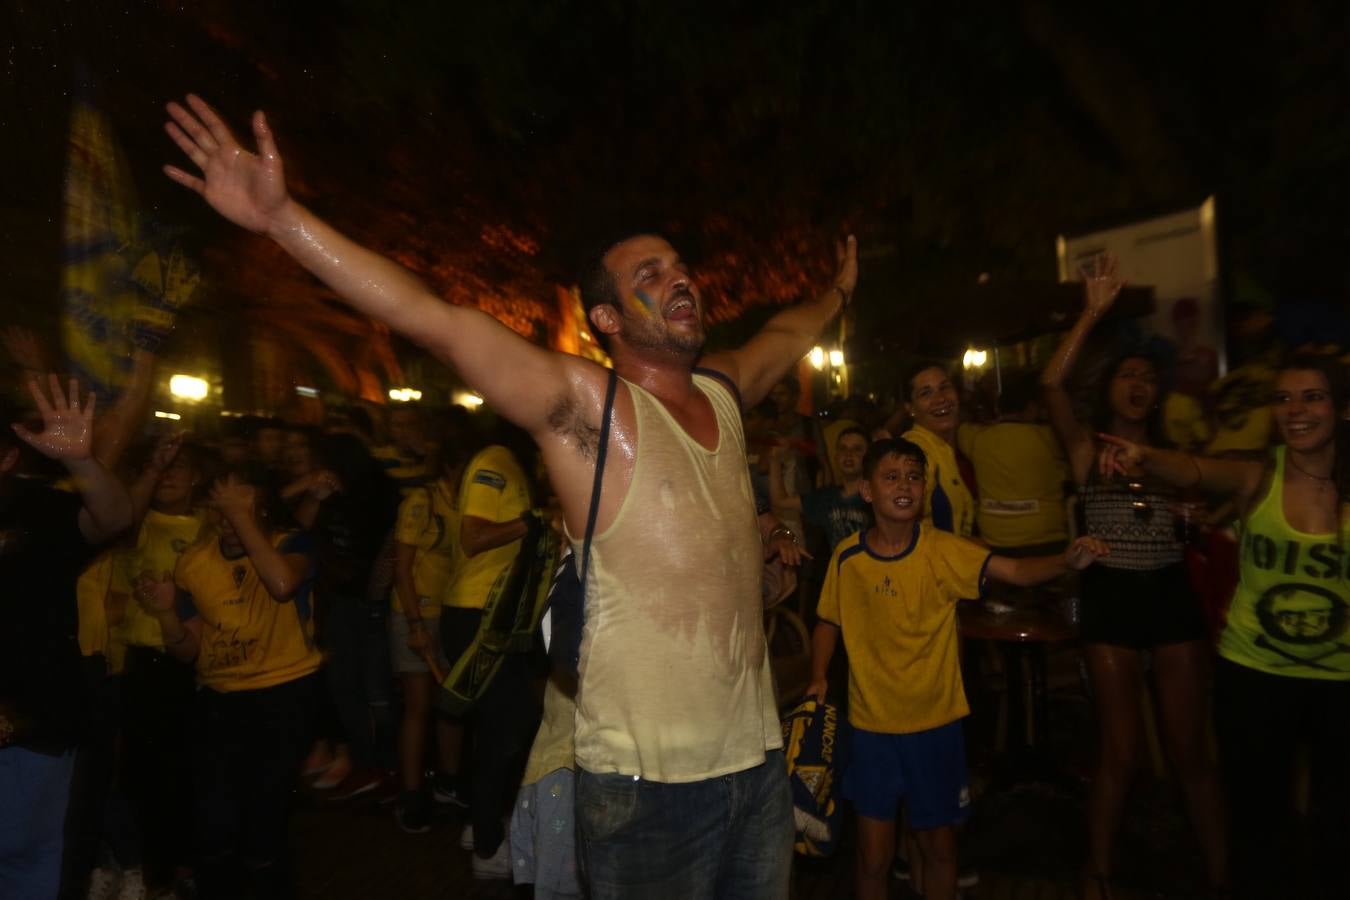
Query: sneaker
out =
(334, 775)
(360, 781)
(103, 884)
(412, 815)
(133, 885)
(900, 870)
(444, 790)
(318, 762)
(967, 877)
(466, 837)
(496, 866)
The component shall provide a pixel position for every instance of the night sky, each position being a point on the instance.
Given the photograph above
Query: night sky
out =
(480, 143)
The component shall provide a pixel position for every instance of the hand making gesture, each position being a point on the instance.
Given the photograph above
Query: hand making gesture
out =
(1118, 456)
(67, 430)
(248, 189)
(1084, 552)
(1101, 283)
(234, 499)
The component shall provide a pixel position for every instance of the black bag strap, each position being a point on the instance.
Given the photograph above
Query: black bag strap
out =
(600, 453)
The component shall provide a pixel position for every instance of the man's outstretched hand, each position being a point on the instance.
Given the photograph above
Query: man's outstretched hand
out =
(247, 188)
(846, 275)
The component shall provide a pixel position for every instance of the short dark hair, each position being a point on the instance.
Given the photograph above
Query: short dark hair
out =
(852, 429)
(594, 279)
(891, 447)
(913, 372)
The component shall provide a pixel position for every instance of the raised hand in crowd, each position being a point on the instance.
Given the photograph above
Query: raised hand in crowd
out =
(247, 188)
(67, 429)
(1101, 283)
(67, 436)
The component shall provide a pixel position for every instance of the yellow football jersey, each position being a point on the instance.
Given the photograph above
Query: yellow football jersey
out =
(249, 639)
(493, 488)
(898, 618)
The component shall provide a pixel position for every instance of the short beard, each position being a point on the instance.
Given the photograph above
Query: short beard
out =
(685, 348)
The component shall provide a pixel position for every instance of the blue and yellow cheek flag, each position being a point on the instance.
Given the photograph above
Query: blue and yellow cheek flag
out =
(124, 280)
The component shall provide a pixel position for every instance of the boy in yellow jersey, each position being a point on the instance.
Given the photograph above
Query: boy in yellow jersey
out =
(238, 605)
(892, 591)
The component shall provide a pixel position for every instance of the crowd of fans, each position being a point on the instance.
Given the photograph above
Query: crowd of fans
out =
(194, 624)
(288, 597)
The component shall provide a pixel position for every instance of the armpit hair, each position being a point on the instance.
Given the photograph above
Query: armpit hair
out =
(565, 420)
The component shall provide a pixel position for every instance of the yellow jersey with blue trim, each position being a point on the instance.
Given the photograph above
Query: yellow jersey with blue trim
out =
(898, 619)
(495, 488)
(249, 639)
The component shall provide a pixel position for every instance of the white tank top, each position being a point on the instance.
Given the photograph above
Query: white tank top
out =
(675, 683)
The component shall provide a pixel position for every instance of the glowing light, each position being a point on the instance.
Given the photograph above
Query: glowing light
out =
(188, 387)
(304, 391)
(161, 414)
(404, 394)
(837, 358)
(817, 357)
(975, 359)
(467, 399)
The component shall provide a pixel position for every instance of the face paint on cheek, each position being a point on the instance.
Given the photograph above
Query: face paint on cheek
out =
(644, 305)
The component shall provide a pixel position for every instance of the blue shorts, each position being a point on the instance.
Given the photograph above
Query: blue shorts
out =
(925, 769)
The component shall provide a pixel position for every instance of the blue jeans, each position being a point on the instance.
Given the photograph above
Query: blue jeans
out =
(34, 791)
(728, 838)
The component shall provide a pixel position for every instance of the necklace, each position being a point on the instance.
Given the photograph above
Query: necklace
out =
(1322, 480)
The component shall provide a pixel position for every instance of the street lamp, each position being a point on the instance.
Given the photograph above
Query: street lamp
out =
(188, 387)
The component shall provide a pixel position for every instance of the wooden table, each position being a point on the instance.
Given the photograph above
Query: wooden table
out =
(1022, 634)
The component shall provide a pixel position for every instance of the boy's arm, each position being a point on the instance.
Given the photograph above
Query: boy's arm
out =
(1035, 570)
(823, 641)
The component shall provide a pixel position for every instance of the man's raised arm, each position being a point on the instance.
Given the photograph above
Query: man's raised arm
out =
(250, 190)
(788, 336)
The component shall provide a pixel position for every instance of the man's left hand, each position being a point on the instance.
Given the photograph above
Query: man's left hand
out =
(846, 276)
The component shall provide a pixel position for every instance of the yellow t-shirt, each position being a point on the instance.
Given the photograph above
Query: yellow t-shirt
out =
(493, 488)
(1184, 422)
(161, 540)
(898, 618)
(429, 522)
(1021, 471)
(93, 606)
(249, 639)
(947, 500)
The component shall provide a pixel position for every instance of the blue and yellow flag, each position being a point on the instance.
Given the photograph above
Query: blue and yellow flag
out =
(124, 281)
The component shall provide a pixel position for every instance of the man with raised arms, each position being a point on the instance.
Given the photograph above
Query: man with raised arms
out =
(681, 789)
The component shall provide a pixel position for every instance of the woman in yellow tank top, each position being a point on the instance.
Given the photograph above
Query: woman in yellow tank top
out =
(1283, 678)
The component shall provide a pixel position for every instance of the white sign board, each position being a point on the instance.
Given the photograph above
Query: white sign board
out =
(1176, 255)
